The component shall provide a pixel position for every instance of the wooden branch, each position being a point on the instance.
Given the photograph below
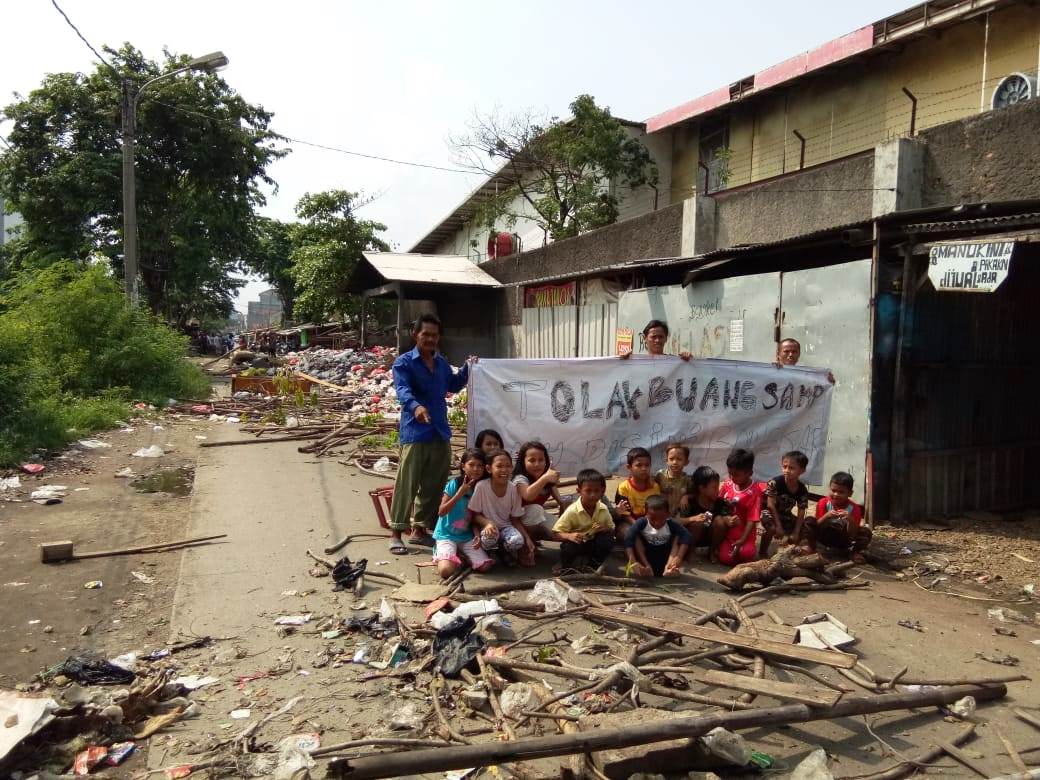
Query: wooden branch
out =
(815, 697)
(485, 754)
(765, 646)
(1016, 759)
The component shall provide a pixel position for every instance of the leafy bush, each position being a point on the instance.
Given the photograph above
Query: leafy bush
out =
(73, 354)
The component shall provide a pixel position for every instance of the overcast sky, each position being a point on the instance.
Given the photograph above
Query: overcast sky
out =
(395, 79)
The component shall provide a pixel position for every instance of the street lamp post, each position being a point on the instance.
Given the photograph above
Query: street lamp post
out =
(131, 96)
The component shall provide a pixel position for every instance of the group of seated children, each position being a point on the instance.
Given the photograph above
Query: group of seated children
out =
(494, 505)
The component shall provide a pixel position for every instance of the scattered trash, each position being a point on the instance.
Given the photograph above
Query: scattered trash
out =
(92, 670)
(10, 483)
(127, 473)
(387, 612)
(345, 574)
(728, 746)
(813, 767)
(516, 698)
(22, 716)
(406, 718)
(120, 752)
(126, 661)
(475, 697)
(588, 645)
(467, 609)
(140, 576)
(1000, 660)
(914, 625)
(49, 494)
(93, 444)
(552, 596)
(821, 630)
(293, 620)
(963, 708)
(33, 468)
(93, 585)
(1029, 590)
(88, 759)
(906, 551)
(194, 682)
(1003, 614)
(456, 646)
(1004, 631)
(154, 451)
(382, 465)
(241, 714)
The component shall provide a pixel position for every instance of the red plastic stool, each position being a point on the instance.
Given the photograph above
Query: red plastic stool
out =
(381, 496)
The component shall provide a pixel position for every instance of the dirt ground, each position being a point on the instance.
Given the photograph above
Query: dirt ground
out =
(276, 504)
(45, 611)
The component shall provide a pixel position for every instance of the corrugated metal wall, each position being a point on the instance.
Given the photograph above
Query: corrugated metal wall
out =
(972, 430)
(549, 331)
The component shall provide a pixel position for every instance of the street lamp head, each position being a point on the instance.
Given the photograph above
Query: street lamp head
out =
(211, 62)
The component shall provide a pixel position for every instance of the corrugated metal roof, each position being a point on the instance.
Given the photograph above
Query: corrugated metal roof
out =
(431, 269)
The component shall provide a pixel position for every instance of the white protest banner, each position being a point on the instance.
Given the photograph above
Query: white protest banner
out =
(590, 411)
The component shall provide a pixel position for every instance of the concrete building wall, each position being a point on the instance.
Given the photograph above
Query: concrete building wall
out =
(823, 197)
(846, 110)
(657, 234)
(983, 158)
(471, 239)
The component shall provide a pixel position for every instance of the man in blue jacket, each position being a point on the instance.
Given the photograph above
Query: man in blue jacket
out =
(422, 378)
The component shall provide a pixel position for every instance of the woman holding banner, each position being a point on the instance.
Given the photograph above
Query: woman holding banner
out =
(655, 334)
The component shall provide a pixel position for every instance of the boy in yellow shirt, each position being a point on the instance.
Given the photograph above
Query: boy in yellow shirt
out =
(585, 529)
(632, 493)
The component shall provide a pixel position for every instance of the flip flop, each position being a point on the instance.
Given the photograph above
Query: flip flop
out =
(397, 547)
(423, 541)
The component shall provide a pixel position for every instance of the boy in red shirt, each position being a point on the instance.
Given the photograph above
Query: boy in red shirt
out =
(839, 522)
(745, 496)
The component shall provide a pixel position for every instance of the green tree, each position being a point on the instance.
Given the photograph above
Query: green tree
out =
(271, 258)
(561, 173)
(202, 157)
(327, 245)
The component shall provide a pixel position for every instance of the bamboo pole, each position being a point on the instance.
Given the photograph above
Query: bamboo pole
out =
(484, 754)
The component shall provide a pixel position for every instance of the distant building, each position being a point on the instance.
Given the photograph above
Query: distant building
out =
(266, 312)
(8, 221)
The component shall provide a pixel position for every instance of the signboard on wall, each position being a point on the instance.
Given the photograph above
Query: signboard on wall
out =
(624, 338)
(590, 412)
(550, 295)
(969, 266)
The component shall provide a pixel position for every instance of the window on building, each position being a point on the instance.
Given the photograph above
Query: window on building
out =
(714, 155)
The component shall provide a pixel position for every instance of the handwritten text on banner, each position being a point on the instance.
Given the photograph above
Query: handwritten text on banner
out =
(590, 412)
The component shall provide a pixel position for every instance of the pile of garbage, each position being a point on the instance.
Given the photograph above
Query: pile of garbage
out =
(341, 365)
(90, 712)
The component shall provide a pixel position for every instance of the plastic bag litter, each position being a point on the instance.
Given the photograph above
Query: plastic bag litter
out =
(154, 451)
(10, 483)
(813, 767)
(92, 670)
(345, 573)
(407, 718)
(127, 473)
(126, 661)
(292, 422)
(516, 698)
(456, 646)
(963, 708)
(387, 612)
(290, 761)
(382, 465)
(553, 597)
(728, 746)
(93, 444)
(49, 494)
(467, 609)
